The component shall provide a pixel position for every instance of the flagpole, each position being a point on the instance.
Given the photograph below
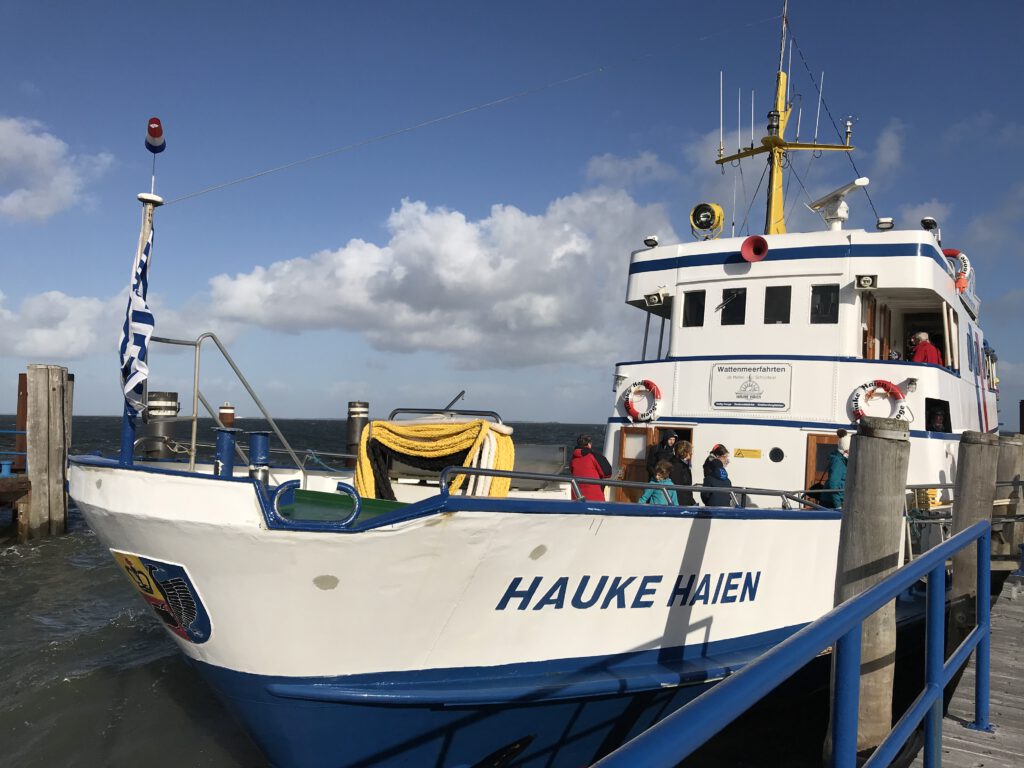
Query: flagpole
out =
(138, 320)
(128, 421)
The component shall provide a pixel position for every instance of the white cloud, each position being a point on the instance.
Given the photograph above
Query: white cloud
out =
(888, 154)
(1001, 225)
(511, 289)
(52, 325)
(910, 215)
(39, 177)
(984, 127)
(628, 171)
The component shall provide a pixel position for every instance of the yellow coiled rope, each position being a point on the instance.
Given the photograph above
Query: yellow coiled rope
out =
(434, 441)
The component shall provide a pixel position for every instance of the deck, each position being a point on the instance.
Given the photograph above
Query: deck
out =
(966, 748)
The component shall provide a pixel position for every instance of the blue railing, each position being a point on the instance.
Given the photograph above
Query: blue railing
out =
(684, 731)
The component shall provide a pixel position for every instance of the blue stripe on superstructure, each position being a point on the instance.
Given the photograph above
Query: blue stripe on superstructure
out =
(895, 250)
(668, 421)
(818, 358)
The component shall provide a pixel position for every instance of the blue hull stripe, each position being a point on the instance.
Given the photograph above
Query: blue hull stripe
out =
(565, 710)
(895, 250)
(550, 680)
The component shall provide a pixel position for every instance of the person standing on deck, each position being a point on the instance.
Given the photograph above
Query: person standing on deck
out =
(924, 350)
(663, 451)
(586, 462)
(682, 471)
(663, 496)
(715, 476)
(835, 483)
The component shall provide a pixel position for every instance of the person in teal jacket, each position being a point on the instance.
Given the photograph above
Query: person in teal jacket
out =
(662, 476)
(836, 480)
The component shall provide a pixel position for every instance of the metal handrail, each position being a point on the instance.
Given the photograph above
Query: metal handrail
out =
(734, 491)
(438, 411)
(196, 396)
(684, 731)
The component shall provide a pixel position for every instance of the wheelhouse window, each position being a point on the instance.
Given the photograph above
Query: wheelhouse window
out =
(733, 306)
(824, 304)
(776, 304)
(693, 309)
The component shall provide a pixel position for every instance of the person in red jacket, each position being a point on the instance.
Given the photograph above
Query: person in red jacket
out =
(586, 462)
(925, 351)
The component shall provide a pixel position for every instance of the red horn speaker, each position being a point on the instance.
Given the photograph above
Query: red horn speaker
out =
(754, 248)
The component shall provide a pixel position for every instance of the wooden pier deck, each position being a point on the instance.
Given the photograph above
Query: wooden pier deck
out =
(966, 748)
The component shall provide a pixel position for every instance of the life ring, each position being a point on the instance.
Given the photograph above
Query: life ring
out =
(630, 406)
(965, 267)
(867, 391)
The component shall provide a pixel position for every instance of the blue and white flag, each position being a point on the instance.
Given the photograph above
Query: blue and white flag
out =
(136, 333)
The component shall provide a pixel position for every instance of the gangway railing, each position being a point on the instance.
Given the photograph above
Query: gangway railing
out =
(680, 734)
(197, 396)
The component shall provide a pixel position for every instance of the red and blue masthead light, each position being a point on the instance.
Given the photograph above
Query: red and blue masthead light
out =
(155, 136)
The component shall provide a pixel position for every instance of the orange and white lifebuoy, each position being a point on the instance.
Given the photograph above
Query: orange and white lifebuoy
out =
(870, 389)
(965, 267)
(630, 406)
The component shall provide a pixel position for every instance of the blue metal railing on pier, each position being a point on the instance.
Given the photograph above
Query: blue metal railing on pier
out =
(684, 731)
(6, 464)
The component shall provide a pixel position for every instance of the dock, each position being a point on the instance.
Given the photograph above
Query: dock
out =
(963, 747)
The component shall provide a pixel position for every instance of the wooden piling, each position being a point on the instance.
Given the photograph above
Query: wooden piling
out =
(1010, 469)
(869, 550)
(47, 444)
(974, 490)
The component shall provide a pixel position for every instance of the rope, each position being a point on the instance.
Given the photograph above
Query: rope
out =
(463, 441)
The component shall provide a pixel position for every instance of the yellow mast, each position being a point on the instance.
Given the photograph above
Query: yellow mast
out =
(776, 146)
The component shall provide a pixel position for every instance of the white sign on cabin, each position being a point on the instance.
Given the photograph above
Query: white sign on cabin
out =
(751, 386)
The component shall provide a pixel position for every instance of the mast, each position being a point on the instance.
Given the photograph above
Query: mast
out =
(775, 145)
(775, 216)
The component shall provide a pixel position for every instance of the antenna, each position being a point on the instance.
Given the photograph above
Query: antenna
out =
(821, 91)
(789, 73)
(721, 124)
(782, 45)
(833, 207)
(751, 118)
(739, 119)
(799, 114)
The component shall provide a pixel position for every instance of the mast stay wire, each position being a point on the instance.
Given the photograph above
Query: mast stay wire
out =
(828, 112)
(450, 116)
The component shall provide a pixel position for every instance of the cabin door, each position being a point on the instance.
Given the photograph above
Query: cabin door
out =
(819, 447)
(634, 443)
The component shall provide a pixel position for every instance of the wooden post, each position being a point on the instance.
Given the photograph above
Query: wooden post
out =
(19, 423)
(869, 550)
(974, 490)
(1011, 463)
(47, 449)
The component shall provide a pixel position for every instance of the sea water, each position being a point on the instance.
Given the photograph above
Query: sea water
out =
(88, 675)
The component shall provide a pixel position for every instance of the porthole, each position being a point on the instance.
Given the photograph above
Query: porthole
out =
(776, 455)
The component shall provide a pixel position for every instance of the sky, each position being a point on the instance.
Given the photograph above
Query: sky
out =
(498, 163)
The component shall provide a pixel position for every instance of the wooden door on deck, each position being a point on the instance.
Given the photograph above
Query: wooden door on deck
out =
(819, 447)
(634, 442)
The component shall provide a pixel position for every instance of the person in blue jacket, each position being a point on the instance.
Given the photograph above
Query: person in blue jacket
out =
(835, 483)
(716, 476)
(662, 476)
